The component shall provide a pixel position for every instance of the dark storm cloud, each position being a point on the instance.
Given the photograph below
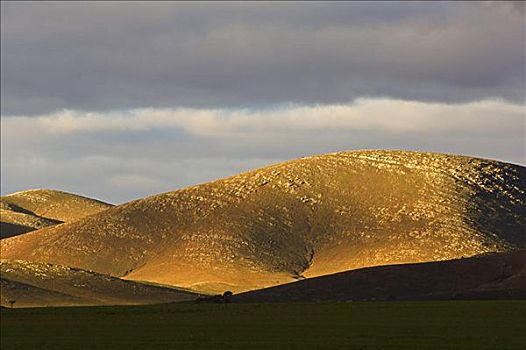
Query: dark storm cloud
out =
(97, 56)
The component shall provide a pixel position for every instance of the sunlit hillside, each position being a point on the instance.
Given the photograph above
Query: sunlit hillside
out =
(303, 218)
(30, 210)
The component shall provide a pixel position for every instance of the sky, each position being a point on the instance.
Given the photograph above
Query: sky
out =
(118, 100)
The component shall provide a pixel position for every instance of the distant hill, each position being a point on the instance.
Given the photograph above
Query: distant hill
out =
(13, 223)
(53, 204)
(303, 218)
(490, 276)
(40, 284)
(30, 210)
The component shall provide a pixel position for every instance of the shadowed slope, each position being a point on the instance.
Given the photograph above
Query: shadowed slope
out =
(13, 223)
(8, 229)
(40, 284)
(26, 295)
(492, 276)
(30, 210)
(308, 217)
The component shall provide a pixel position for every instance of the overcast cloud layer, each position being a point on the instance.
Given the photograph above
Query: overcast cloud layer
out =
(122, 100)
(97, 56)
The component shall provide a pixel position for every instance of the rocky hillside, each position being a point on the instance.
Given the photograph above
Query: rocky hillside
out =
(30, 210)
(303, 218)
(53, 204)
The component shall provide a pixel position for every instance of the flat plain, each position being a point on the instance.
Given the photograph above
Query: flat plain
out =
(358, 325)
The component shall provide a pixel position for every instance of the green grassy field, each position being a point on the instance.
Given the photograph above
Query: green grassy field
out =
(374, 325)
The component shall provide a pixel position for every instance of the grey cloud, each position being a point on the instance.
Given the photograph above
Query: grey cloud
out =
(132, 171)
(97, 56)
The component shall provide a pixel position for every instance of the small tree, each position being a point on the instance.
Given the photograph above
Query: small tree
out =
(12, 302)
(227, 297)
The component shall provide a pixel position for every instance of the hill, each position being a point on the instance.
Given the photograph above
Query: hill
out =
(303, 218)
(30, 210)
(40, 284)
(491, 276)
(13, 223)
(53, 204)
